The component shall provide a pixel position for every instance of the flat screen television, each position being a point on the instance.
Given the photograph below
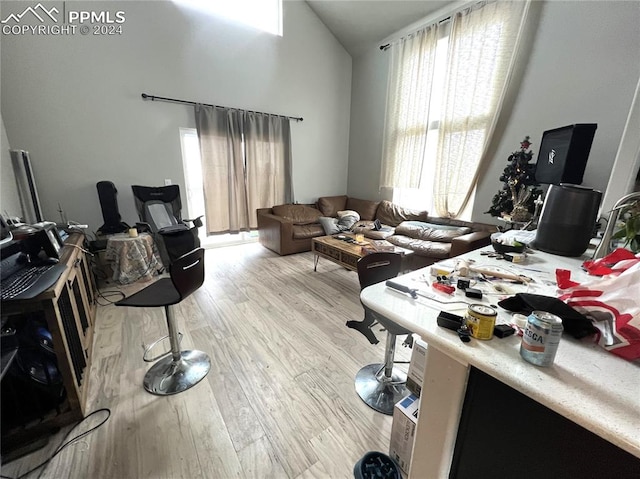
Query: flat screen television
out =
(564, 153)
(29, 199)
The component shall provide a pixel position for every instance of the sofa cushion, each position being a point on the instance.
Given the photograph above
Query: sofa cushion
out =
(330, 205)
(307, 231)
(366, 228)
(391, 214)
(329, 225)
(366, 208)
(378, 235)
(297, 214)
(453, 222)
(430, 249)
(430, 231)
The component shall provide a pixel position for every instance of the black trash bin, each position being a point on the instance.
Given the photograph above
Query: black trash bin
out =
(376, 465)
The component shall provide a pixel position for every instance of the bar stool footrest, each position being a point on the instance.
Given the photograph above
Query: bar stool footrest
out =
(153, 345)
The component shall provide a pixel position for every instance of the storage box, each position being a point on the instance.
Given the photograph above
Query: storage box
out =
(403, 430)
(417, 366)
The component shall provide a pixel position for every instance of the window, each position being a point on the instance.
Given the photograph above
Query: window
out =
(265, 15)
(422, 129)
(446, 84)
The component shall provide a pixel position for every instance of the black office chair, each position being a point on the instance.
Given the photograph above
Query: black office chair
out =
(160, 209)
(380, 386)
(182, 369)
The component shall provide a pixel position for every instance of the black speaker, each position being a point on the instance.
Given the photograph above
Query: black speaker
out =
(108, 195)
(564, 153)
(568, 219)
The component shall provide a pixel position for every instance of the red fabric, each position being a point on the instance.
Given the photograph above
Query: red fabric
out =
(563, 279)
(616, 262)
(611, 302)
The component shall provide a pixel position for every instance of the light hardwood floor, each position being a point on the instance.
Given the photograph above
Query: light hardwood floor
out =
(279, 401)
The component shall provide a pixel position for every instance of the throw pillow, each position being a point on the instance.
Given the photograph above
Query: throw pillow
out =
(347, 218)
(329, 225)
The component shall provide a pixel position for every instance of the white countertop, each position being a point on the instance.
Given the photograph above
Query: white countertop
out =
(586, 384)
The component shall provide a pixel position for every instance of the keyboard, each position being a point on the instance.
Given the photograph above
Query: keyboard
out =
(30, 281)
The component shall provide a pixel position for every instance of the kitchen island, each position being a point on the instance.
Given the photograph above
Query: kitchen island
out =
(588, 395)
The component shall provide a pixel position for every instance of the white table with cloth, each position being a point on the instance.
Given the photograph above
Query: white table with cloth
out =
(133, 258)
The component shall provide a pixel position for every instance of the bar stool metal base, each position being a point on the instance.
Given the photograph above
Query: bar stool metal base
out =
(171, 377)
(378, 391)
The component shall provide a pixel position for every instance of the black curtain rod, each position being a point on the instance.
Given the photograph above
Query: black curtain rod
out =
(186, 102)
(386, 46)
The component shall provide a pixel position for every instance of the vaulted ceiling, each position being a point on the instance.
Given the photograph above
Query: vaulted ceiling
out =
(358, 23)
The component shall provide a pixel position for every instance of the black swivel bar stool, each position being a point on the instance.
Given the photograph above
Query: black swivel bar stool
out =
(380, 385)
(177, 370)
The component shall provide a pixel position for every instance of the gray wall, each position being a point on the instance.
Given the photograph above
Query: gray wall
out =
(74, 102)
(368, 101)
(583, 67)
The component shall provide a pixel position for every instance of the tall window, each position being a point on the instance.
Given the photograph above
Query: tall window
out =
(446, 84)
(417, 120)
(265, 15)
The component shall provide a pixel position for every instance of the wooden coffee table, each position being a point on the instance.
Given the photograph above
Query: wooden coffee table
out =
(344, 253)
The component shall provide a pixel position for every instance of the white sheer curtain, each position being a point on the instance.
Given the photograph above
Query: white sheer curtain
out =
(408, 99)
(445, 90)
(246, 164)
(483, 44)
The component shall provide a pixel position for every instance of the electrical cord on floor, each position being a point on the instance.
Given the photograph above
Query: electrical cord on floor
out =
(66, 443)
(106, 294)
(99, 274)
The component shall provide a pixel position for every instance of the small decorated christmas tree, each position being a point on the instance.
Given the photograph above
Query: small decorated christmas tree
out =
(515, 201)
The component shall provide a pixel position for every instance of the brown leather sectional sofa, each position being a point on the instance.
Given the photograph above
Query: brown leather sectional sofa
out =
(289, 228)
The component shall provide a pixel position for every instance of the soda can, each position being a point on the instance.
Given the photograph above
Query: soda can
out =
(481, 320)
(541, 338)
